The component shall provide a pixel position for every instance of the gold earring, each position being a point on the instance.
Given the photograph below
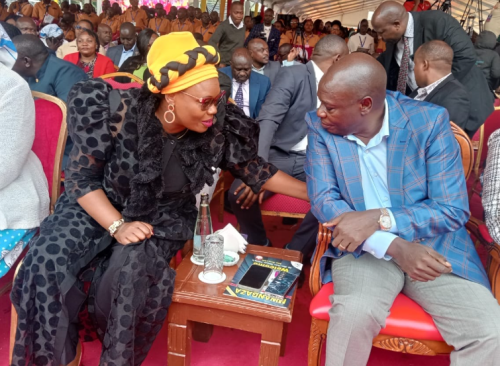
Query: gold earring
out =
(171, 111)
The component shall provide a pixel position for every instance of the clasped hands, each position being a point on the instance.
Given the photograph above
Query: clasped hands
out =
(420, 262)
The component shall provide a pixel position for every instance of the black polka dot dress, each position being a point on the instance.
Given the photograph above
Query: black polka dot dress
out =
(54, 292)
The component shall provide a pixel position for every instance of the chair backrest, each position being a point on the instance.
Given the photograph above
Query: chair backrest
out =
(138, 82)
(491, 124)
(466, 149)
(50, 139)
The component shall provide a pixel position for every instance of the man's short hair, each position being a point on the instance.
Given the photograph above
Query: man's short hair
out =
(329, 46)
(436, 51)
(88, 22)
(237, 3)
(29, 45)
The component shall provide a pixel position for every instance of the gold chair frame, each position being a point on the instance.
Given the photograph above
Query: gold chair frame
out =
(125, 74)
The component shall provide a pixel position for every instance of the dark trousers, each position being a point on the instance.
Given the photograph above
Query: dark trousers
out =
(250, 220)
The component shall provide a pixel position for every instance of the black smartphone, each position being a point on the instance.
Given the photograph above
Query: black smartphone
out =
(255, 278)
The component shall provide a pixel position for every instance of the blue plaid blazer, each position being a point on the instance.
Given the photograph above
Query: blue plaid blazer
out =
(425, 178)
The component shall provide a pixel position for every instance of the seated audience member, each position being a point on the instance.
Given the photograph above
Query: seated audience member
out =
(119, 54)
(318, 27)
(396, 26)
(52, 37)
(172, 13)
(267, 32)
(44, 72)
(22, 7)
(181, 24)
(491, 187)
(281, 28)
(214, 19)
(283, 139)
(113, 21)
(47, 12)
(27, 26)
(488, 60)
(67, 24)
(292, 32)
(286, 55)
(118, 9)
(24, 193)
(249, 88)
(307, 41)
(71, 47)
(106, 4)
(230, 34)
(259, 52)
(249, 23)
(105, 35)
(88, 58)
(437, 85)
(160, 24)
(137, 65)
(337, 28)
(89, 15)
(111, 213)
(205, 28)
(191, 12)
(135, 15)
(65, 6)
(385, 174)
(362, 41)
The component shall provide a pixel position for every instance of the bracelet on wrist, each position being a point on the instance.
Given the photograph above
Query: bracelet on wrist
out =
(115, 226)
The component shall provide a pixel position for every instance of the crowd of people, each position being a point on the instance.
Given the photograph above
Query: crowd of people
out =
(354, 120)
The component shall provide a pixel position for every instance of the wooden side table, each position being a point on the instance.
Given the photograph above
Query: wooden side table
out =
(197, 302)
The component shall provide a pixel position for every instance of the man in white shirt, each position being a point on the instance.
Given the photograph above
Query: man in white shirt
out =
(362, 41)
(437, 85)
(283, 139)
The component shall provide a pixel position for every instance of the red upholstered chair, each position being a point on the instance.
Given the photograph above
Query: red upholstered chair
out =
(482, 136)
(284, 206)
(409, 329)
(50, 139)
(138, 82)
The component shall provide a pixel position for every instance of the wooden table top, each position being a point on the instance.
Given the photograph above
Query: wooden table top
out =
(190, 290)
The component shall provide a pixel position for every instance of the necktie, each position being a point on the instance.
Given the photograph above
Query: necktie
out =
(239, 96)
(403, 68)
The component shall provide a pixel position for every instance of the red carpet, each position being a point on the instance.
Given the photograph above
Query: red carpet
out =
(229, 347)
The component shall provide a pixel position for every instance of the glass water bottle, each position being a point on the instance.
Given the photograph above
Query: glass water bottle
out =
(202, 229)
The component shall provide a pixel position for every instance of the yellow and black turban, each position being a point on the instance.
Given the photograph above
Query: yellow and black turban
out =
(176, 62)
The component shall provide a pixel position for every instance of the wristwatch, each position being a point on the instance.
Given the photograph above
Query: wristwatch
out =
(114, 226)
(385, 220)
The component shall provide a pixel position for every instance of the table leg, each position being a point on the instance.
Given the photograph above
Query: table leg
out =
(179, 344)
(283, 339)
(270, 346)
(202, 332)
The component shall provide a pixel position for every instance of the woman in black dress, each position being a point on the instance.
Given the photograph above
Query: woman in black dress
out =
(140, 156)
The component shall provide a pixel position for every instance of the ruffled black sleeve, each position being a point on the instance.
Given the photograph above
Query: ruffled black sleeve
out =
(240, 151)
(88, 127)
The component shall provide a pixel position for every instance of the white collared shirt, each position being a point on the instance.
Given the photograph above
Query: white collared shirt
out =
(373, 166)
(234, 25)
(318, 74)
(246, 94)
(422, 93)
(410, 34)
(267, 31)
(260, 71)
(126, 55)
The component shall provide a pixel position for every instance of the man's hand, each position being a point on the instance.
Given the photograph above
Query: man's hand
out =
(247, 197)
(353, 228)
(421, 263)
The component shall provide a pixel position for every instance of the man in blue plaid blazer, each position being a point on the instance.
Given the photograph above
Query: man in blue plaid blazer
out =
(384, 172)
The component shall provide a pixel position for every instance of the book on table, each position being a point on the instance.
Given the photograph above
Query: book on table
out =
(267, 280)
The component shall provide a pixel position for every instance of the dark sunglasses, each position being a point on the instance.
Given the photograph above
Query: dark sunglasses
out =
(206, 103)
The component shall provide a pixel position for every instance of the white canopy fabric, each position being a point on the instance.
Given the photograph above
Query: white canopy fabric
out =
(337, 9)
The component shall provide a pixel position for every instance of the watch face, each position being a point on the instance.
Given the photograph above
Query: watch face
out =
(385, 222)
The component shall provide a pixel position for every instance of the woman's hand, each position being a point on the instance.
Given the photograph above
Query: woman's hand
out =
(133, 232)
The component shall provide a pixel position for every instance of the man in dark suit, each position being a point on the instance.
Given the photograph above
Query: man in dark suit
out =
(259, 52)
(437, 85)
(283, 139)
(119, 54)
(268, 32)
(249, 89)
(405, 32)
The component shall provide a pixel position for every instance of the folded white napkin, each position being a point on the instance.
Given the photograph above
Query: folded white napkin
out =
(233, 240)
